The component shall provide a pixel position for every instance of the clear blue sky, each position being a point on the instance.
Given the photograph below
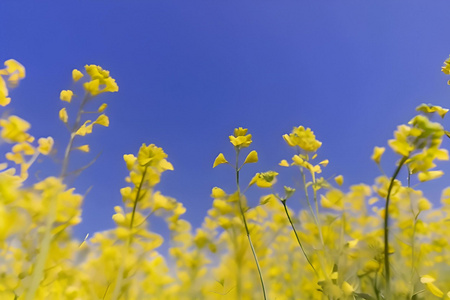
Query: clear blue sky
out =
(191, 71)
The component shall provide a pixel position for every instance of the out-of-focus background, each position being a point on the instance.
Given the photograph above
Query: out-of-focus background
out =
(190, 71)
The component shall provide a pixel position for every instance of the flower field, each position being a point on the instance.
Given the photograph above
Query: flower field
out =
(380, 241)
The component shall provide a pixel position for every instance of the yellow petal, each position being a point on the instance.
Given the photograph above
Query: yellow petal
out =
(424, 204)
(130, 159)
(102, 120)
(76, 75)
(347, 289)
(13, 65)
(429, 108)
(165, 165)
(284, 163)
(218, 193)
(66, 95)
(252, 157)
(220, 159)
(324, 162)
(84, 129)
(288, 140)
(4, 100)
(84, 148)
(429, 175)
(63, 115)
(434, 290)
(353, 243)
(102, 108)
(427, 279)
(377, 153)
(339, 180)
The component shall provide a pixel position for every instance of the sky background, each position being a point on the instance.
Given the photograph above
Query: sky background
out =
(191, 71)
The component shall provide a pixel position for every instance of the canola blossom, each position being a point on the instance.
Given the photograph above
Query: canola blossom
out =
(383, 240)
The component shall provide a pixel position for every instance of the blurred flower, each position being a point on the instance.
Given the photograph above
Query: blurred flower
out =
(66, 95)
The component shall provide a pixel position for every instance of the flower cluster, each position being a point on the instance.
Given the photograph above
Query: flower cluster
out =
(379, 241)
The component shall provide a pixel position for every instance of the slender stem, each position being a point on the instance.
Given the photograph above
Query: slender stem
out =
(44, 249)
(375, 285)
(246, 226)
(136, 200)
(75, 127)
(296, 235)
(316, 217)
(316, 220)
(317, 214)
(120, 272)
(306, 194)
(386, 227)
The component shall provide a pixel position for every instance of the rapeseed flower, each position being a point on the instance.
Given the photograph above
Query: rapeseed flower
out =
(241, 139)
(303, 138)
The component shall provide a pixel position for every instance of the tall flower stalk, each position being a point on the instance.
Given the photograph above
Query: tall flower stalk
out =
(240, 140)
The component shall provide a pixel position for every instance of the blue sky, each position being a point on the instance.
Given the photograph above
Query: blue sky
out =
(191, 71)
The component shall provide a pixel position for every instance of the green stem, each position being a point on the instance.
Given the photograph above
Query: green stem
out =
(316, 217)
(306, 194)
(296, 235)
(75, 127)
(386, 227)
(120, 272)
(246, 226)
(44, 249)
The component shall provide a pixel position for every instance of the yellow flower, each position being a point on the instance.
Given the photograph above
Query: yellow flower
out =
(76, 75)
(402, 144)
(377, 153)
(220, 159)
(339, 180)
(333, 200)
(288, 192)
(24, 147)
(428, 108)
(303, 138)
(63, 115)
(252, 157)
(100, 81)
(15, 70)
(446, 67)
(14, 130)
(45, 145)
(15, 157)
(66, 95)
(241, 139)
(264, 180)
(153, 156)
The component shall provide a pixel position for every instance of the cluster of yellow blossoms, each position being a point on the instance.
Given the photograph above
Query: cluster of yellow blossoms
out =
(380, 241)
